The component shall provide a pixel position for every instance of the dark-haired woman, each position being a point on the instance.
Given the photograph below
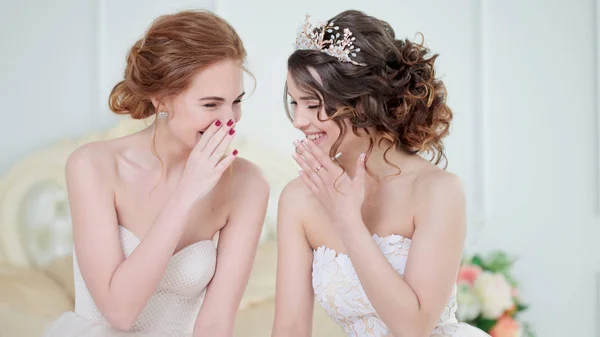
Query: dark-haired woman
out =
(371, 228)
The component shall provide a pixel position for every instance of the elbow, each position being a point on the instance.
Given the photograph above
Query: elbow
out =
(120, 320)
(120, 317)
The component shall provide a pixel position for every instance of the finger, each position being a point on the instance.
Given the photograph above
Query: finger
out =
(226, 162)
(359, 177)
(320, 155)
(217, 138)
(311, 186)
(218, 153)
(309, 171)
(208, 133)
(308, 156)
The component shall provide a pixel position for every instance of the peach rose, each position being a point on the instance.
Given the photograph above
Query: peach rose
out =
(468, 273)
(506, 326)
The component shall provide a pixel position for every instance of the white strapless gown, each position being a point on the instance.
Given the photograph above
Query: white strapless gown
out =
(338, 290)
(171, 311)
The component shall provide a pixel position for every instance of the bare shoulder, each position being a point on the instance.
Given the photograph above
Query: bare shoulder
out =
(91, 160)
(295, 201)
(247, 176)
(439, 183)
(295, 192)
(440, 198)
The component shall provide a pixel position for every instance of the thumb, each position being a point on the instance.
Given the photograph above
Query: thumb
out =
(359, 177)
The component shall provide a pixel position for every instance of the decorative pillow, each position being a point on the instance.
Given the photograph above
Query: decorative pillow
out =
(19, 323)
(30, 290)
(61, 271)
(261, 285)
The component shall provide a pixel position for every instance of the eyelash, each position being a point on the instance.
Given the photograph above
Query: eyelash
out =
(312, 107)
(213, 105)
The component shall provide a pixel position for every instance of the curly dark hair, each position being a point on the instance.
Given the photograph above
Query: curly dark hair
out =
(396, 93)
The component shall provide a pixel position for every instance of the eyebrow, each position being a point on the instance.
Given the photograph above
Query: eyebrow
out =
(216, 98)
(309, 98)
(306, 98)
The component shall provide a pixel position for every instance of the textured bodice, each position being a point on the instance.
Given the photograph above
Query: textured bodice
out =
(338, 289)
(173, 308)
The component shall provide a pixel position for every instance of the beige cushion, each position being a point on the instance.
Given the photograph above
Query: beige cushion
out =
(261, 285)
(257, 321)
(21, 323)
(32, 291)
(61, 271)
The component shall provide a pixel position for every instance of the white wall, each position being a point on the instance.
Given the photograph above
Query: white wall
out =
(47, 83)
(522, 79)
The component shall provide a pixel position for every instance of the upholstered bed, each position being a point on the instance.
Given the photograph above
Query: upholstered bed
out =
(36, 283)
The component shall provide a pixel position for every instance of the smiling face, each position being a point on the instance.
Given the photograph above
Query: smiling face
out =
(306, 111)
(214, 93)
(310, 117)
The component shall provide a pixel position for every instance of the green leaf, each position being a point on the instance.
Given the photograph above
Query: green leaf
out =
(485, 324)
(510, 279)
(466, 260)
(522, 307)
(499, 262)
(478, 261)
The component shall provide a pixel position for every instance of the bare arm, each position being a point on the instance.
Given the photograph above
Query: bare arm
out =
(294, 298)
(120, 287)
(238, 241)
(410, 306)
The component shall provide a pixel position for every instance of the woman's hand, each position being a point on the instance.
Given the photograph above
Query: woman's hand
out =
(339, 194)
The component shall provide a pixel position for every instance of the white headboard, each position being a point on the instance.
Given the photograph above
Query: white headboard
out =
(35, 224)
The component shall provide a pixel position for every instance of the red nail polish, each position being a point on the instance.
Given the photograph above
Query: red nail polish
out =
(235, 152)
(218, 123)
(230, 123)
(232, 131)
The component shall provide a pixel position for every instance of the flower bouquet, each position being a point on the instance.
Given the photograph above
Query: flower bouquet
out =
(488, 297)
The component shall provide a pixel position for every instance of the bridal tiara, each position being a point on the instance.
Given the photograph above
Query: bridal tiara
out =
(326, 37)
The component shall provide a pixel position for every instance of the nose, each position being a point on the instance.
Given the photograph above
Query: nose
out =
(231, 115)
(300, 122)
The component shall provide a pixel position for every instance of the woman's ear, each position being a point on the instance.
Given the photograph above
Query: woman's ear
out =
(159, 105)
(156, 102)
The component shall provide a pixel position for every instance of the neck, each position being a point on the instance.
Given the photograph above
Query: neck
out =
(376, 161)
(172, 152)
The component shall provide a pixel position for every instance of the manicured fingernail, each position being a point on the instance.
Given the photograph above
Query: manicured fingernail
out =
(362, 156)
(235, 152)
(218, 123)
(232, 131)
(230, 122)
